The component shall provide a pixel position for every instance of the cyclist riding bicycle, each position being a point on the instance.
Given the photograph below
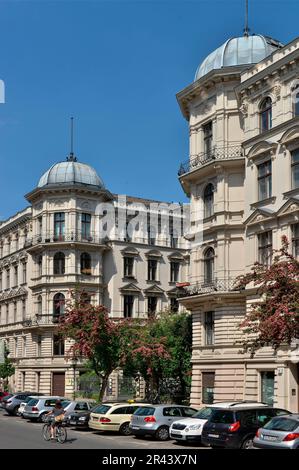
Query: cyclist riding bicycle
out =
(57, 416)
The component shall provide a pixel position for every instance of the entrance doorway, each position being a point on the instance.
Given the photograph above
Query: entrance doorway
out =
(58, 383)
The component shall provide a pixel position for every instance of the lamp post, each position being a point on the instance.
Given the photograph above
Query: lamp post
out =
(74, 363)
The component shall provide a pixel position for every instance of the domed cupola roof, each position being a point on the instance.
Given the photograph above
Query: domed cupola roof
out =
(238, 51)
(71, 172)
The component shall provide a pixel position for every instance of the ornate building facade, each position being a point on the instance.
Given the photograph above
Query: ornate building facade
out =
(126, 253)
(243, 184)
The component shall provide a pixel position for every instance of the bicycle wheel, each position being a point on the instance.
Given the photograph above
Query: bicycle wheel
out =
(47, 432)
(61, 434)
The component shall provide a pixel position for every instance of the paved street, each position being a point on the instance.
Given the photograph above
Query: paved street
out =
(18, 433)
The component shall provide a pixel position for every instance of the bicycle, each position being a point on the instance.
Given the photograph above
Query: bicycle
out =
(59, 432)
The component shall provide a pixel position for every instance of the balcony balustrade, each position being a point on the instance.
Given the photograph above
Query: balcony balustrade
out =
(67, 237)
(218, 153)
(187, 289)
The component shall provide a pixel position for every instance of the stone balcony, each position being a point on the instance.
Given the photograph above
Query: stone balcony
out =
(188, 289)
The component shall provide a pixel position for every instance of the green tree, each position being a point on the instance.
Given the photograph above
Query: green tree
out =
(7, 369)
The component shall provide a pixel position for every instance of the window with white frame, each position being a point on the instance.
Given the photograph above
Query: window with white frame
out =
(264, 180)
(266, 114)
(209, 323)
(295, 240)
(265, 248)
(295, 168)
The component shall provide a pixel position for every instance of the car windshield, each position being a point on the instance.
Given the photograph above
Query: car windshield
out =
(282, 424)
(102, 409)
(144, 411)
(204, 413)
(65, 403)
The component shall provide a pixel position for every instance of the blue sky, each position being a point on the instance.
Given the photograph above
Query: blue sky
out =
(115, 66)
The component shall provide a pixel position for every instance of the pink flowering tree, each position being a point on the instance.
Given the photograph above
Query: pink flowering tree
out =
(273, 320)
(96, 337)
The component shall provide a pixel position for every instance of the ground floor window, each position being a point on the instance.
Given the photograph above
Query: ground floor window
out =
(208, 384)
(267, 387)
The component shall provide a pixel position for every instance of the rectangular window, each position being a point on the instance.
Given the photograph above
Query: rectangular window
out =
(23, 309)
(152, 306)
(39, 226)
(58, 346)
(8, 278)
(14, 312)
(128, 266)
(265, 180)
(85, 226)
(295, 240)
(1, 281)
(39, 346)
(265, 248)
(209, 328)
(24, 346)
(174, 304)
(15, 276)
(208, 138)
(59, 226)
(24, 273)
(208, 384)
(152, 269)
(267, 387)
(295, 169)
(128, 306)
(174, 271)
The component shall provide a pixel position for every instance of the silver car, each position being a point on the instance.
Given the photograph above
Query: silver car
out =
(24, 403)
(78, 405)
(282, 432)
(11, 405)
(155, 420)
(38, 407)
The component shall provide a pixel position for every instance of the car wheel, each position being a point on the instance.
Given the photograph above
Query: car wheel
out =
(247, 443)
(15, 410)
(162, 434)
(125, 429)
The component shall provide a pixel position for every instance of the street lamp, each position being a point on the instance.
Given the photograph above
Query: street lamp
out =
(74, 364)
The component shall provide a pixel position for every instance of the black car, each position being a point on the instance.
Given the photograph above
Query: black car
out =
(236, 426)
(79, 418)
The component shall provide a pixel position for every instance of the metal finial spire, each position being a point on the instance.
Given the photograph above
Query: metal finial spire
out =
(71, 157)
(246, 29)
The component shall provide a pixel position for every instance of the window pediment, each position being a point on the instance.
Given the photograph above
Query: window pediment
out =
(153, 254)
(266, 147)
(290, 137)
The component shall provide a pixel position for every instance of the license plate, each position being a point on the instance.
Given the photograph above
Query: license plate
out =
(213, 435)
(270, 438)
(175, 434)
(73, 422)
(135, 427)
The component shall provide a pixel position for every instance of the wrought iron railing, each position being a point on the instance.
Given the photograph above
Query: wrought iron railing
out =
(199, 288)
(73, 236)
(218, 153)
(40, 320)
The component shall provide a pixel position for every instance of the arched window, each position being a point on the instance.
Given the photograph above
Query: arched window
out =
(85, 262)
(208, 200)
(39, 305)
(59, 263)
(295, 97)
(209, 256)
(266, 114)
(58, 304)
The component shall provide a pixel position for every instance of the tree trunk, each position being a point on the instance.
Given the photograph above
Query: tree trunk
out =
(103, 387)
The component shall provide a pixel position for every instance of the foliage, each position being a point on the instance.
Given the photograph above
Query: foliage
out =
(273, 320)
(96, 337)
(160, 350)
(6, 369)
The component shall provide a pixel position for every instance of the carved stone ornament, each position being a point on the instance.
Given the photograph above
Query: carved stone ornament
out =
(244, 107)
(277, 91)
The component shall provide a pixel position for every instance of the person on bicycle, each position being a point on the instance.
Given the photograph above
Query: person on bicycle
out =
(57, 414)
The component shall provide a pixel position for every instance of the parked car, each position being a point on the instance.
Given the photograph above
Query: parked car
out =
(113, 417)
(78, 405)
(24, 403)
(79, 418)
(281, 432)
(37, 407)
(155, 420)
(236, 426)
(4, 399)
(190, 429)
(11, 405)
